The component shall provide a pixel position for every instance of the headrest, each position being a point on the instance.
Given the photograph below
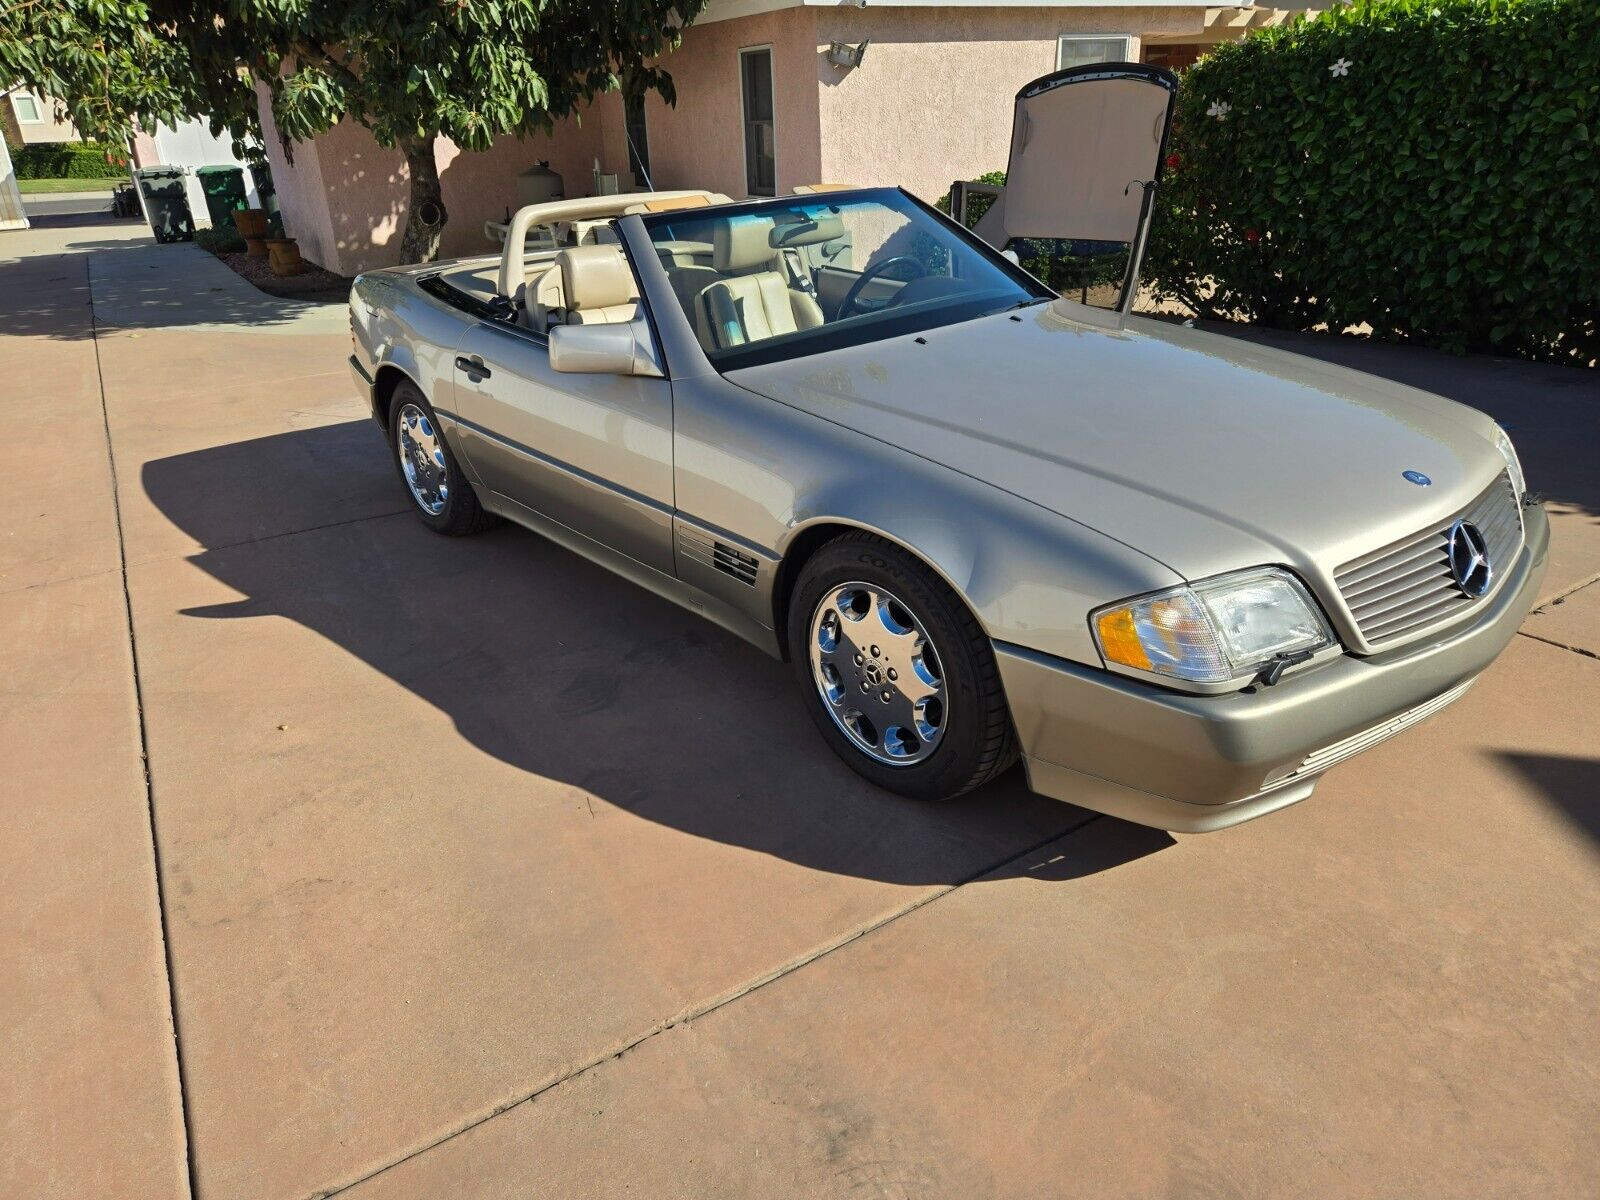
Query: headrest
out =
(812, 232)
(741, 244)
(594, 277)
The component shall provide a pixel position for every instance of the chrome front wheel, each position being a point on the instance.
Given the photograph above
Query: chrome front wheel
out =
(878, 673)
(422, 460)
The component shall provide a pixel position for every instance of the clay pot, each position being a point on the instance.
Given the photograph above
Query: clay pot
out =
(251, 223)
(284, 256)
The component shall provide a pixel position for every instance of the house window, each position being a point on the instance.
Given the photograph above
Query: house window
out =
(1073, 51)
(638, 139)
(760, 147)
(27, 108)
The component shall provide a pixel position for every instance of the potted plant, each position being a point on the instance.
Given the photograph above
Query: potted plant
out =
(284, 256)
(252, 226)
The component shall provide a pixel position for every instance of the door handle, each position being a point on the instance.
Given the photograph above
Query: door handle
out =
(473, 367)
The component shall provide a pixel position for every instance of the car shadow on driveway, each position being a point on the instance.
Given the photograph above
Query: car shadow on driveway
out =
(559, 668)
(1571, 785)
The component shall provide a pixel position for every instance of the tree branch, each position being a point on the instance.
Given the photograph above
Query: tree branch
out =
(305, 50)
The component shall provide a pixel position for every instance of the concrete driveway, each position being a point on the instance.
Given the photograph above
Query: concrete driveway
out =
(339, 858)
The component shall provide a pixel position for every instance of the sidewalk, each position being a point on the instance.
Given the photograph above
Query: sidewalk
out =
(64, 204)
(94, 1105)
(481, 873)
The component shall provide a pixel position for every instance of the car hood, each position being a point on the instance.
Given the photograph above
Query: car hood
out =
(1205, 452)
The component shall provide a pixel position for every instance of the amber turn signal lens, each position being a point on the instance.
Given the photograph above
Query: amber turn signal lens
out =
(1119, 640)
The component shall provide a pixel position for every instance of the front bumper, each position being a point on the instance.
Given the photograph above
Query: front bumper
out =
(1193, 764)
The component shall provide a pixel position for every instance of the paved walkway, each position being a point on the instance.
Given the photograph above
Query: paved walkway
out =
(339, 858)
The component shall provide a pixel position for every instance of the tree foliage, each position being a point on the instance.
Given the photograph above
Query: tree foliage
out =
(1428, 168)
(102, 61)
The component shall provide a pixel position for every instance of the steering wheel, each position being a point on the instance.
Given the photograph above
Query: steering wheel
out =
(847, 305)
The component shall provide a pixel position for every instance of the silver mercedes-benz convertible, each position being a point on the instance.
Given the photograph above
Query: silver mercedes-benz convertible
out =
(1179, 575)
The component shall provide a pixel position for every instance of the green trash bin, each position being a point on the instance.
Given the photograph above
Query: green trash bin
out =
(261, 173)
(224, 189)
(165, 203)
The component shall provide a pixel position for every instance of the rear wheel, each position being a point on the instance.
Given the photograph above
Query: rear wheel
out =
(897, 674)
(440, 493)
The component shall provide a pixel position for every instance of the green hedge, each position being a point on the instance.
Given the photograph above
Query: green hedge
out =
(67, 160)
(1428, 168)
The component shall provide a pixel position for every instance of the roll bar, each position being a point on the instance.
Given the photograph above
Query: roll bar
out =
(552, 211)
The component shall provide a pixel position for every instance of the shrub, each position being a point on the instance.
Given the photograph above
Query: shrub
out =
(1424, 167)
(68, 160)
(219, 241)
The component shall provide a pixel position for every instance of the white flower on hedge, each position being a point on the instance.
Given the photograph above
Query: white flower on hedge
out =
(1219, 109)
(1340, 68)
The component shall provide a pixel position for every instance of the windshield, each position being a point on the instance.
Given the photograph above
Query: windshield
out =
(778, 279)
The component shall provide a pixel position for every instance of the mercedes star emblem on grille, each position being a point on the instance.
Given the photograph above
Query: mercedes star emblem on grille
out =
(1469, 558)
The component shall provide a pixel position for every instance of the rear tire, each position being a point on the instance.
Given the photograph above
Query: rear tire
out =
(897, 674)
(438, 489)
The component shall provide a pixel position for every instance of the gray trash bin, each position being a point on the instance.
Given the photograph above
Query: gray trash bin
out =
(166, 203)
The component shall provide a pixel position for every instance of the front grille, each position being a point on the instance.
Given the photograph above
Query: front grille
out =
(1320, 760)
(1407, 587)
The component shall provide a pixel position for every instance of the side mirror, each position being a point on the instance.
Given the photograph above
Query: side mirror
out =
(621, 348)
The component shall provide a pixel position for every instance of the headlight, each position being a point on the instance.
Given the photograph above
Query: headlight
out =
(1502, 443)
(1213, 631)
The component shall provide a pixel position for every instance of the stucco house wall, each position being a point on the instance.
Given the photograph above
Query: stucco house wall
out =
(301, 196)
(700, 143)
(345, 197)
(932, 102)
(51, 125)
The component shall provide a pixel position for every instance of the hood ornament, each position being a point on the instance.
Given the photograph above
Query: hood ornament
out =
(1468, 552)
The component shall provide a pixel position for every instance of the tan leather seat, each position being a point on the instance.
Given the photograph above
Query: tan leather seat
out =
(597, 285)
(544, 303)
(753, 299)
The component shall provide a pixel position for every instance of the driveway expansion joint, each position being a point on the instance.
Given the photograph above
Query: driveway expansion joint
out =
(708, 1007)
(269, 537)
(1559, 645)
(46, 583)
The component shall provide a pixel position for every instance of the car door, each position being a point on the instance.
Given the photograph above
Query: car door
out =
(593, 452)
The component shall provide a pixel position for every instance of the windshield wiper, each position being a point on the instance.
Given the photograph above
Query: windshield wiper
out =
(1028, 303)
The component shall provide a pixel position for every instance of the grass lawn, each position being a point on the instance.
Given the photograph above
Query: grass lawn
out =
(35, 186)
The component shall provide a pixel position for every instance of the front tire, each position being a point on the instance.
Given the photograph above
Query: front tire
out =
(439, 491)
(896, 673)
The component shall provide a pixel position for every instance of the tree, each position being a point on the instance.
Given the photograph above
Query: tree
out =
(410, 71)
(109, 63)
(470, 70)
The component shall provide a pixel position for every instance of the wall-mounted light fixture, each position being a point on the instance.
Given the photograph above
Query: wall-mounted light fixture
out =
(846, 56)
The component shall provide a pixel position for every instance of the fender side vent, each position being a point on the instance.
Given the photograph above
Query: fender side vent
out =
(719, 556)
(733, 562)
